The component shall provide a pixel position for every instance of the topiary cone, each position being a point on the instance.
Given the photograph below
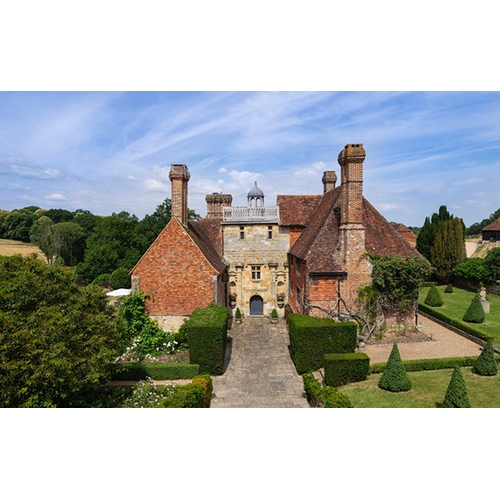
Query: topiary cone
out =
(475, 312)
(486, 364)
(394, 378)
(434, 298)
(456, 394)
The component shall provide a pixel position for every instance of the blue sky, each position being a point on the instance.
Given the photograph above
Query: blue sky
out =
(111, 151)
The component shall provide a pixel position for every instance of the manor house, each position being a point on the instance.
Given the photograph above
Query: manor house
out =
(306, 250)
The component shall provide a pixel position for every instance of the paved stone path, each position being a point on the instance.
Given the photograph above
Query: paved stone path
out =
(260, 372)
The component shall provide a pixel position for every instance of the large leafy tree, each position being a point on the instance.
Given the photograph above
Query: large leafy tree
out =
(58, 341)
(114, 243)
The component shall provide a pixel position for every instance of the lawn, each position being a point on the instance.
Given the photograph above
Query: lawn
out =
(429, 388)
(456, 303)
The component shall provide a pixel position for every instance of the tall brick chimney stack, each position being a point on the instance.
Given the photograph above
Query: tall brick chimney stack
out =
(179, 177)
(352, 248)
(329, 179)
(216, 203)
(351, 162)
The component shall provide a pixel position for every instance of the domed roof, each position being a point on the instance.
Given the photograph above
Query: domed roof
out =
(255, 192)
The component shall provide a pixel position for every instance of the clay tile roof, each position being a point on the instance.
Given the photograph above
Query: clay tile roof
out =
(382, 238)
(295, 210)
(318, 241)
(203, 233)
(494, 226)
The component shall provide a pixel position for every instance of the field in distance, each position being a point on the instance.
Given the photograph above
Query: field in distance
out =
(12, 247)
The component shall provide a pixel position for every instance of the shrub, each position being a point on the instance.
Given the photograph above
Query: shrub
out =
(474, 269)
(394, 378)
(238, 313)
(120, 278)
(157, 371)
(448, 289)
(456, 393)
(207, 338)
(312, 388)
(475, 312)
(323, 397)
(146, 394)
(186, 396)
(343, 369)
(486, 364)
(434, 298)
(332, 398)
(147, 336)
(274, 313)
(102, 280)
(311, 338)
(205, 381)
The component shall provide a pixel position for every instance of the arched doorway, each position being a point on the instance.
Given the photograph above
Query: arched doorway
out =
(256, 306)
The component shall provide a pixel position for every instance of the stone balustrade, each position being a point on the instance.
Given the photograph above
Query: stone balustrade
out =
(250, 214)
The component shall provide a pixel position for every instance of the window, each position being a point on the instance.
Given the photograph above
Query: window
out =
(269, 232)
(256, 272)
(242, 232)
(299, 304)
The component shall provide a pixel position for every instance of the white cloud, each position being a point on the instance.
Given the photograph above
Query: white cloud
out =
(155, 185)
(223, 170)
(56, 197)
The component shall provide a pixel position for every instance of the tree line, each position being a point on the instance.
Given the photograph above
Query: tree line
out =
(441, 240)
(96, 246)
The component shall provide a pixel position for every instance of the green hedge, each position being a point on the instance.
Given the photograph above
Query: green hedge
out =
(323, 397)
(197, 394)
(345, 368)
(457, 324)
(311, 338)
(157, 371)
(207, 338)
(417, 365)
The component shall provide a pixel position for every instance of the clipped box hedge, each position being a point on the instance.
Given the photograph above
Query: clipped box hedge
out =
(207, 338)
(455, 323)
(311, 338)
(157, 371)
(341, 369)
(418, 365)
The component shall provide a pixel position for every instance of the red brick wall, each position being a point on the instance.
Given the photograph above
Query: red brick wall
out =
(176, 274)
(323, 293)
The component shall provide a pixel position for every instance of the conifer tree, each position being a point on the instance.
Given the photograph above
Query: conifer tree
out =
(475, 312)
(448, 248)
(394, 378)
(434, 298)
(456, 393)
(486, 364)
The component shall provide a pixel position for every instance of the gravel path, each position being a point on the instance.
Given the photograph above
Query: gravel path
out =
(444, 344)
